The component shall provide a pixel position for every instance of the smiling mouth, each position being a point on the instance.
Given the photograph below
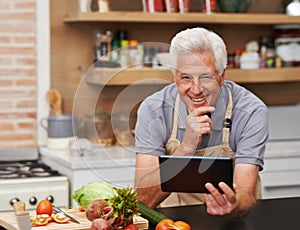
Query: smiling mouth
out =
(197, 100)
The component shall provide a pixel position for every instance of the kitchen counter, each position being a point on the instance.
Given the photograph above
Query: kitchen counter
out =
(105, 156)
(274, 214)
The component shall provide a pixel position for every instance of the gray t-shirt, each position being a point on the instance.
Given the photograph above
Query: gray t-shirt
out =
(248, 135)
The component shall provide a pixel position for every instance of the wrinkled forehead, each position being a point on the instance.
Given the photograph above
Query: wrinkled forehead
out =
(195, 62)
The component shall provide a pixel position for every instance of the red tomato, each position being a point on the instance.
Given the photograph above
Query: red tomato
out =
(182, 225)
(44, 207)
(164, 224)
(131, 227)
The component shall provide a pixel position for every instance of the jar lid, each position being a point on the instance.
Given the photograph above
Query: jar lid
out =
(124, 43)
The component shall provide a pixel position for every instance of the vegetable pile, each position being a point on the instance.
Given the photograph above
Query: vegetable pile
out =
(107, 207)
(110, 208)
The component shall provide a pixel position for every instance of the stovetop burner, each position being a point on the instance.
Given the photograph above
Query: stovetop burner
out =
(25, 169)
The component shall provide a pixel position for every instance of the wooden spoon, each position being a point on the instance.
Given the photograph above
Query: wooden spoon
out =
(55, 101)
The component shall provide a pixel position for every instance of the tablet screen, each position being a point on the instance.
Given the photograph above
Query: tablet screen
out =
(190, 173)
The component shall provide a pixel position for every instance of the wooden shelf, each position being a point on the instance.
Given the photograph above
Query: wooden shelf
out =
(142, 76)
(192, 17)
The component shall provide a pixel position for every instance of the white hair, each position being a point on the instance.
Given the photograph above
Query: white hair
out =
(199, 40)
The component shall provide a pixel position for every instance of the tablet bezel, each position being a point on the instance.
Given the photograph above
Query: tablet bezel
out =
(188, 179)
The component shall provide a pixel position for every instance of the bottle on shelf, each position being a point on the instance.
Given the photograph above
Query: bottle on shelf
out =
(148, 56)
(264, 41)
(124, 54)
(270, 55)
(94, 5)
(103, 6)
(237, 58)
(104, 51)
(208, 6)
(136, 53)
(102, 46)
(97, 47)
(230, 61)
(115, 51)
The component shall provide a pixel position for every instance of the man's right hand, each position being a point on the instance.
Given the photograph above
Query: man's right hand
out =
(198, 123)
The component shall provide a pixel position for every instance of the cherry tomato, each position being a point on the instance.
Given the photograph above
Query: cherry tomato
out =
(131, 227)
(164, 224)
(60, 218)
(44, 207)
(182, 225)
(81, 209)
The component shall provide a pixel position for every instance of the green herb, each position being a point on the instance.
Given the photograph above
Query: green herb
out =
(125, 205)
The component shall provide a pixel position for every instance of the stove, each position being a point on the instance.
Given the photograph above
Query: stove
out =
(25, 169)
(23, 177)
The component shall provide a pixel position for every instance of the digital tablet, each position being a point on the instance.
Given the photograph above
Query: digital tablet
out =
(190, 173)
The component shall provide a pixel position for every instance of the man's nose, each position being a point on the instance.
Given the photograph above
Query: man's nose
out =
(196, 86)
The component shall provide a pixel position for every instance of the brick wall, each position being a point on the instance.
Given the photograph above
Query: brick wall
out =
(18, 73)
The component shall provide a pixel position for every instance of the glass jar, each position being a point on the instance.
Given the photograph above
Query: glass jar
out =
(123, 127)
(98, 129)
(287, 43)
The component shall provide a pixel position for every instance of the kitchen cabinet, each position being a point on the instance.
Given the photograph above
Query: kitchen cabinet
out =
(72, 34)
(280, 177)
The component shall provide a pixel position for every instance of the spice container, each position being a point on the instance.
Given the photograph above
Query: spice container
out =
(287, 44)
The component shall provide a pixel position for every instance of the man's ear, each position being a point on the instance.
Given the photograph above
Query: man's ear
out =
(222, 77)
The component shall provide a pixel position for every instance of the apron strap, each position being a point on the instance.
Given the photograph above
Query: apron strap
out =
(227, 120)
(175, 119)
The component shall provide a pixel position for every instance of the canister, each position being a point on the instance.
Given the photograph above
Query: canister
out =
(287, 43)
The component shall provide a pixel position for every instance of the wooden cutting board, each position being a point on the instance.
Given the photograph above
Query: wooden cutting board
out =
(9, 221)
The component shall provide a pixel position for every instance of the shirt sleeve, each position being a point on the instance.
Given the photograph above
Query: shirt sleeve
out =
(253, 135)
(150, 131)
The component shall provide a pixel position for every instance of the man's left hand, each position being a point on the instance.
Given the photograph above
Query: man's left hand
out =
(220, 204)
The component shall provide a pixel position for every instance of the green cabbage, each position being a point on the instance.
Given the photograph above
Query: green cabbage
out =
(92, 191)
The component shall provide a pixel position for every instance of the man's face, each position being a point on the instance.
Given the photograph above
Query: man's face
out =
(197, 80)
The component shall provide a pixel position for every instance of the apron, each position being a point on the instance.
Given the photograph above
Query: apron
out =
(223, 150)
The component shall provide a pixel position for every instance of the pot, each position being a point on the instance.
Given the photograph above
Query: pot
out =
(60, 126)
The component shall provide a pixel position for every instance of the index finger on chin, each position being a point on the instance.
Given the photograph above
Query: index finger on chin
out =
(203, 110)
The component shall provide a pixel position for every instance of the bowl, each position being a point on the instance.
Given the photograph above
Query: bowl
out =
(234, 6)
